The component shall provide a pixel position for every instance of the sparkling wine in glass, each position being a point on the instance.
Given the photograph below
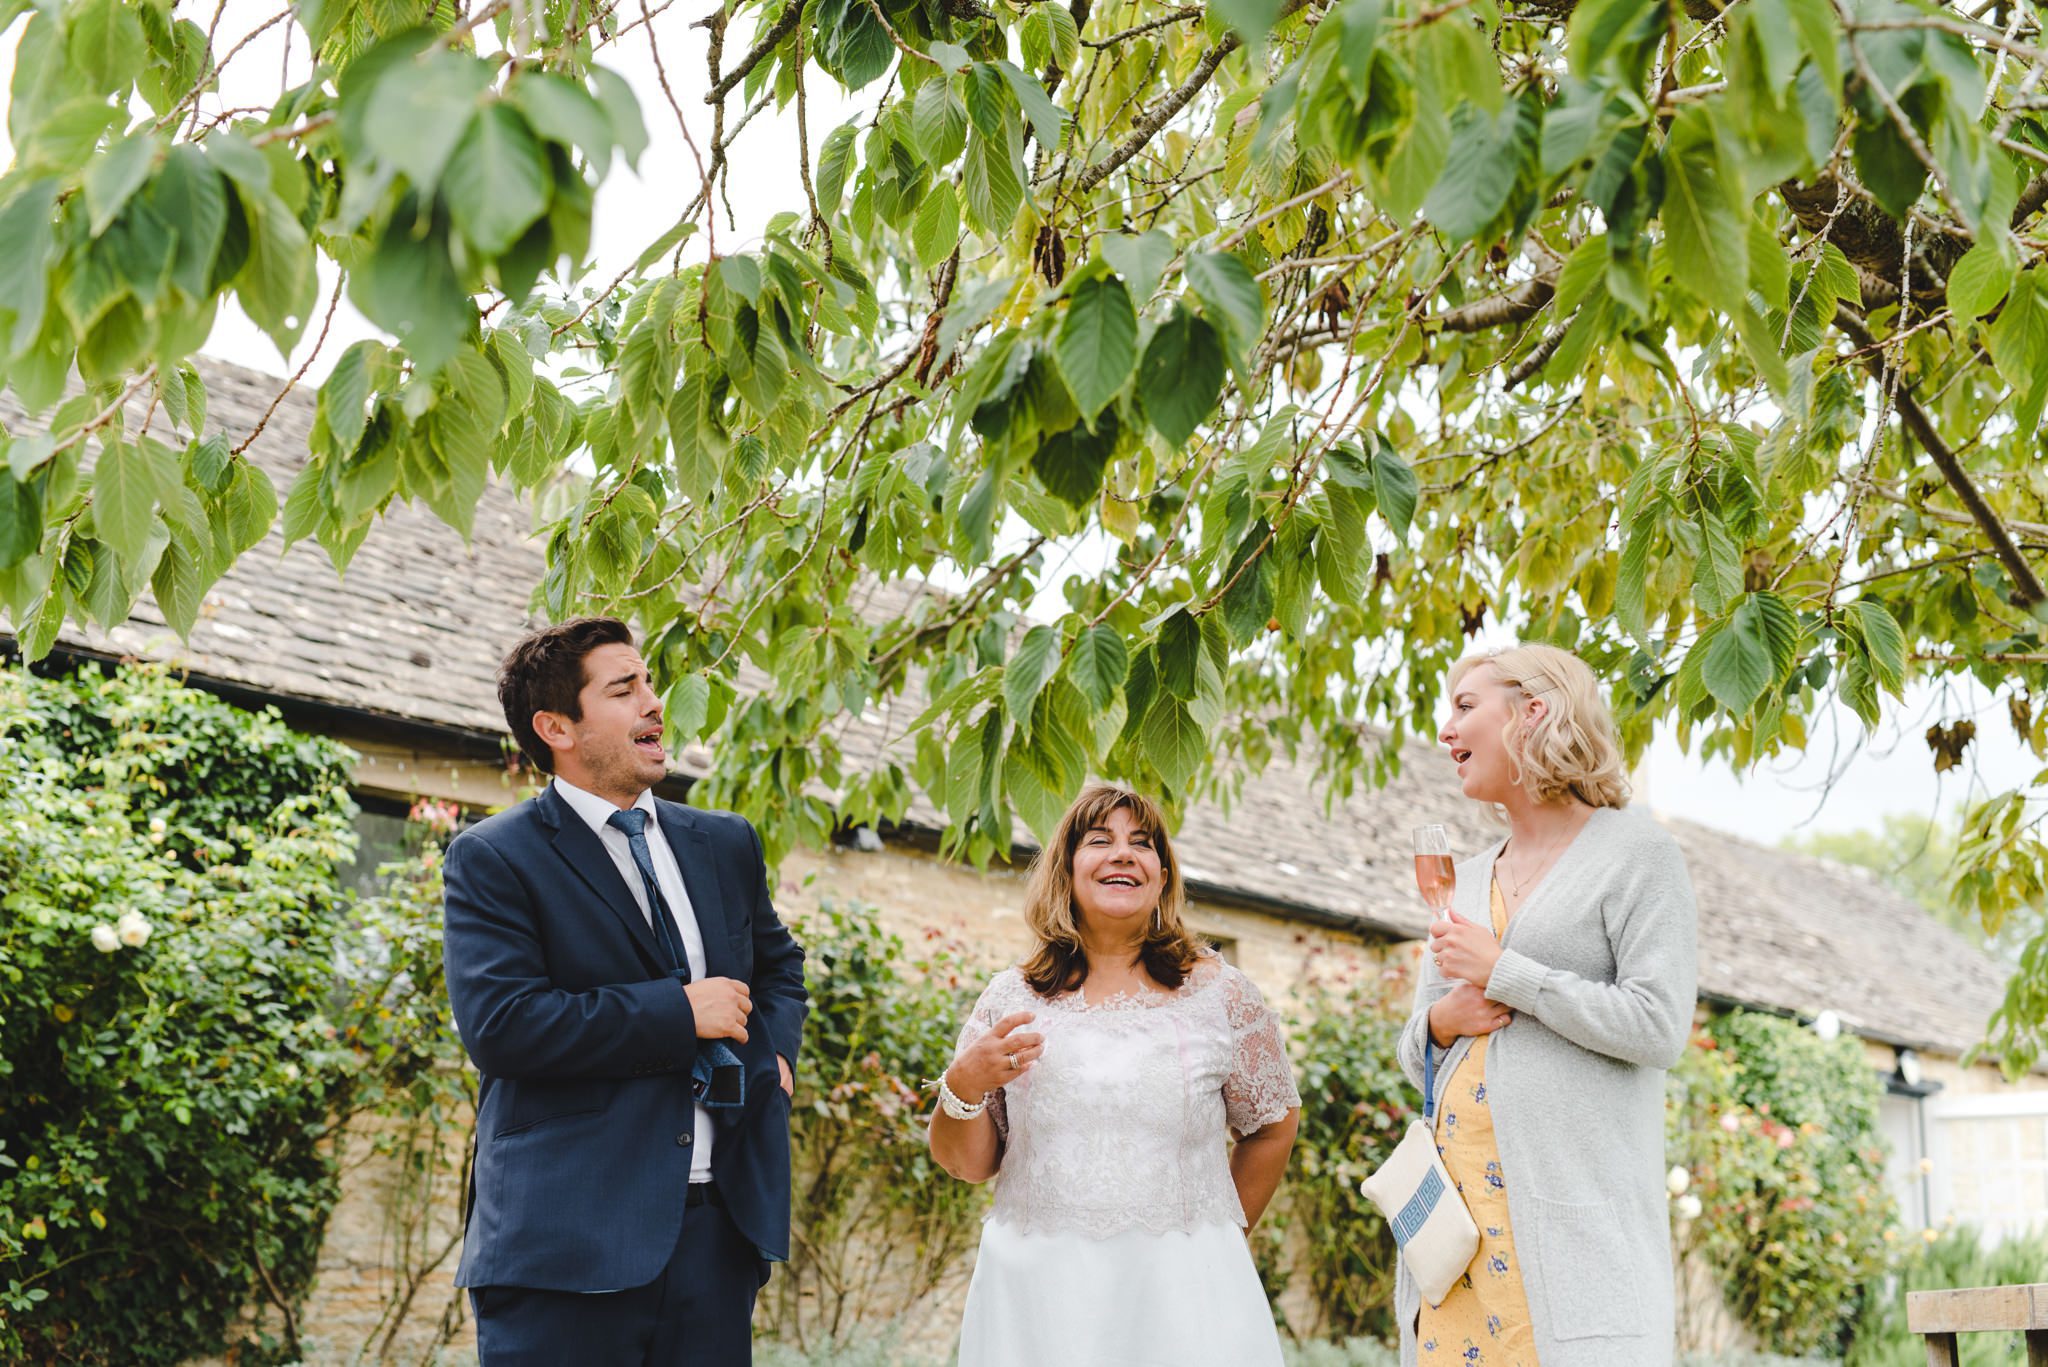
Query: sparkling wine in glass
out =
(1434, 874)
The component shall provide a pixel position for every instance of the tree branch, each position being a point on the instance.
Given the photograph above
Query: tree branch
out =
(1510, 306)
(785, 23)
(2027, 590)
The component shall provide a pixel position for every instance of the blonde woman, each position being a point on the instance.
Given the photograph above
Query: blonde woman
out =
(1100, 1084)
(1555, 997)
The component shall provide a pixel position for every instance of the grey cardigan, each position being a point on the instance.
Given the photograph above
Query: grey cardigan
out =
(1600, 968)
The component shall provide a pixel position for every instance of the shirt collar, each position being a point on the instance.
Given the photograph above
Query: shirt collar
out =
(597, 811)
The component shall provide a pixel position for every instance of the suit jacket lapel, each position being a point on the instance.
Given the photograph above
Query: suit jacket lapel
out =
(692, 849)
(586, 855)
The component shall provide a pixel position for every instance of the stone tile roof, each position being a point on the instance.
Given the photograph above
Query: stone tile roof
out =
(415, 631)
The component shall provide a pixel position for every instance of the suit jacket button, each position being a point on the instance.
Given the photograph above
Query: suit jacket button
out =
(684, 1139)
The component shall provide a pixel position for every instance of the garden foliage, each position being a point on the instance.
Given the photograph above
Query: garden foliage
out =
(1313, 335)
(1778, 1133)
(190, 1014)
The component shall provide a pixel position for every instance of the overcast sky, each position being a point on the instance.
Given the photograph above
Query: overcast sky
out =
(1845, 781)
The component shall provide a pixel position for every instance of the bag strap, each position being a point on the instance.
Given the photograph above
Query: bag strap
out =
(1428, 1078)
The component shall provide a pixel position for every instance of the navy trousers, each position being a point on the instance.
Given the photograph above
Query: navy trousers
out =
(698, 1313)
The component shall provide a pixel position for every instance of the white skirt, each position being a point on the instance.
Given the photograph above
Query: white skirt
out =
(1134, 1299)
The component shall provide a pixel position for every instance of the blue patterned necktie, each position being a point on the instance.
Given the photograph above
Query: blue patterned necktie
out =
(633, 822)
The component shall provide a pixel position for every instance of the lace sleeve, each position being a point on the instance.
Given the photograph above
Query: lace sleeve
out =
(1260, 1088)
(996, 1001)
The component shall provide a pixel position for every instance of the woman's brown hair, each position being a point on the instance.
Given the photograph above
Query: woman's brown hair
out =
(1060, 963)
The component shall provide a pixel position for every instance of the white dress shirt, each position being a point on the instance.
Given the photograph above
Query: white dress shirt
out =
(596, 813)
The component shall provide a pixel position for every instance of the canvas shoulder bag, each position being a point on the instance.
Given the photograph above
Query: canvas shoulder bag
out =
(1431, 1225)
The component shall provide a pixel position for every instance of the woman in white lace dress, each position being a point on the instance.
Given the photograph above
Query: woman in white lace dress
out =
(1100, 1083)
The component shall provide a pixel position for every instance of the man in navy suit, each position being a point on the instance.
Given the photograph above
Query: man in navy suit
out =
(633, 1004)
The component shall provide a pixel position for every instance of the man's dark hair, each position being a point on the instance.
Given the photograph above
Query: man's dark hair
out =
(544, 673)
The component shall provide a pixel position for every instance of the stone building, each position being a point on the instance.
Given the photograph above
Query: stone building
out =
(397, 659)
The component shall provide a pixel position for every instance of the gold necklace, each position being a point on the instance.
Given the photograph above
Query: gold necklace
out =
(1541, 863)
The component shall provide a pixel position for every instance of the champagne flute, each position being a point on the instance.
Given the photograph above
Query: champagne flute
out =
(1434, 874)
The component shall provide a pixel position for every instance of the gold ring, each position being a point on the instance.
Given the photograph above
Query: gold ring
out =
(1011, 1059)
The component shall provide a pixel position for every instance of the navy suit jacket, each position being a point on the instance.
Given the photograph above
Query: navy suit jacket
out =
(585, 1120)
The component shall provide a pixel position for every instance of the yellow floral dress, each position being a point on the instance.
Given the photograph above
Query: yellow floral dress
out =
(1484, 1322)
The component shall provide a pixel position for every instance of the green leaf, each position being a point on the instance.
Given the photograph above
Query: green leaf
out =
(1174, 743)
(179, 584)
(1030, 668)
(21, 521)
(938, 122)
(2019, 339)
(1140, 260)
(835, 163)
(415, 109)
(1361, 35)
(1048, 37)
(1705, 227)
(1882, 639)
(1613, 32)
(1046, 117)
(994, 186)
(562, 111)
(27, 246)
(852, 44)
(1248, 599)
(116, 174)
(408, 286)
(1097, 342)
(123, 498)
(623, 109)
(1979, 280)
(1181, 375)
(689, 706)
(1717, 575)
(1071, 463)
(496, 182)
(1736, 665)
(1230, 294)
(1491, 155)
(1098, 664)
(936, 231)
(1253, 19)
(344, 394)
(106, 44)
(1395, 486)
(1180, 653)
(191, 198)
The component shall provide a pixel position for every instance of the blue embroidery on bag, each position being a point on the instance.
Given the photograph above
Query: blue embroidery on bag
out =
(1416, 1213)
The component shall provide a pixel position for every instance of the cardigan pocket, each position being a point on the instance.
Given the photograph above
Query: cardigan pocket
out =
(1589, 1274)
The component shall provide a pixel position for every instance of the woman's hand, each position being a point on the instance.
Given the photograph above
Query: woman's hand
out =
(1464, 951)
(1464, 1010)
(996, 1059)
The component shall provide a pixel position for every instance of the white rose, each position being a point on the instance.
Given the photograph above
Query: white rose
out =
(156, 824)
(1687, 1207)
(133, 929)
(1677, 1180)
(104, 939)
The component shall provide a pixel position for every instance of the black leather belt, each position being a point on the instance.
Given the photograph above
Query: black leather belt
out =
(703, 1193)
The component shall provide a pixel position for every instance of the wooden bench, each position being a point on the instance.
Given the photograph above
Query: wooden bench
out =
(1941, 1315)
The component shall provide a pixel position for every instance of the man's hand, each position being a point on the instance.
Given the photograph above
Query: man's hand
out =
(721, 1006)
(1464, 1010)
(1464, 950)
(788, 1084)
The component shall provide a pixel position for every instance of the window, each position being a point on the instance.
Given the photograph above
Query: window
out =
(1991, 1162)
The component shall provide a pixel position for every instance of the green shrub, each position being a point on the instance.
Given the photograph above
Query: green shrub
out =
(176, 1044)
(1955, 1258)
(877, 1224)
(1355, 1106)
(1779, 1131)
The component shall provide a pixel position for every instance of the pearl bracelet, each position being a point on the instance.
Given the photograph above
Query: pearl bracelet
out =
(951, 1104)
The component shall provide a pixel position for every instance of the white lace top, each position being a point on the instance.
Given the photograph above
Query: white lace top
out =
(1121, 1123)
